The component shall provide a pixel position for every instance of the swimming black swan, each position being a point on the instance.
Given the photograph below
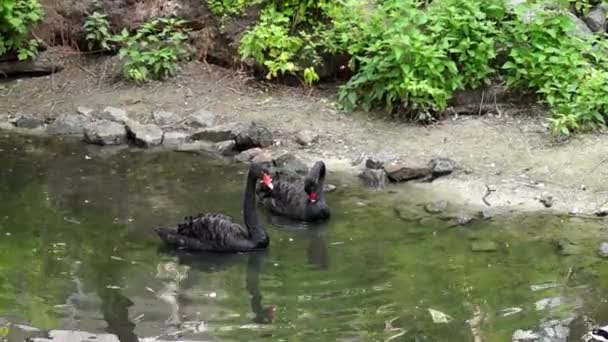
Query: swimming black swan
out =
(301, 200)
(216, 232)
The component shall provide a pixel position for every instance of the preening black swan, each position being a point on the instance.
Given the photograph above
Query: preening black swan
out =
(301, 200)
(216, 232)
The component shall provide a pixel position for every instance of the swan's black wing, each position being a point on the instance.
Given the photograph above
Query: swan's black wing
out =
(210, 232)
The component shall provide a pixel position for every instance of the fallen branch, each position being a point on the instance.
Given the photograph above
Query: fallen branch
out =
(488, 192)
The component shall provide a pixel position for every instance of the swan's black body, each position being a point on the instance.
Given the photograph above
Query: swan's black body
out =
(292, 199)
(216, 232)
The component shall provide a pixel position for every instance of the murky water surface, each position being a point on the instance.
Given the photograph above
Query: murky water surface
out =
(77, 252)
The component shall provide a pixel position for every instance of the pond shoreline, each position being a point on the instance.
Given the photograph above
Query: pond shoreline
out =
(509, 162)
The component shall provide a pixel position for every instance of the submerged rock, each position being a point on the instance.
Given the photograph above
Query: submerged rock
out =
(249, 154)
(464, 219)
(484, 246)
(225, 148)
(401, 173)
(525, 336)
(68, 124)
(441, 167)
(218, 133)
(195, 146)
(329, 188)
(114, 114)
(306, 137)
(147, 135)
(436, 207)
(567, 248)
(105, 132)
(174, 138)
(374, 178)
(408, 213)
(603, 250)
(28, 121)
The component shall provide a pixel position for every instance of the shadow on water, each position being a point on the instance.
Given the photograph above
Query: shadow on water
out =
(367, 274)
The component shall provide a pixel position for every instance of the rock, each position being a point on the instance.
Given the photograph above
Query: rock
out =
(218, 133)
(6, 126)
(401, 173)
(306, 137)
(162, 117)
(114, 114)
(105, 132)
(202, 118)
(289, 168)
(374, 178)
(377, 160)
(484, 246)
(596, 19)
(436, 207)
(582, 30)
(195, 146)
(248, 155)
(329, 188)
(546, 200)
(554, 331)
(174, 138)
(68, 124)
(144, 134)
(441, 166)
(601, 211)
(28, 121)
(603, 250)
(567, 248)
(489, 213)
(262, 158)
(409, 213)
(86, 111)
(254, 135)
(463, 219)
(548, 303)
(225, 148)
(525, 336)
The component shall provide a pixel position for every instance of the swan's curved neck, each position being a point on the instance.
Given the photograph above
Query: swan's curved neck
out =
(250, 216)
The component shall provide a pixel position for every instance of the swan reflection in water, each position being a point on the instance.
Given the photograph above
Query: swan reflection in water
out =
(211, 263)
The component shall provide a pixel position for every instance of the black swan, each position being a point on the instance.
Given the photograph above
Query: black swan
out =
(216, 232)
(300, 200)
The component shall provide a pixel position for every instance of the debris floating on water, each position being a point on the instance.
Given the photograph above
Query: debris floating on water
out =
(439, 317)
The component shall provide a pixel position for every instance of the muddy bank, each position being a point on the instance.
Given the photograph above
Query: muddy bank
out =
(502, 159)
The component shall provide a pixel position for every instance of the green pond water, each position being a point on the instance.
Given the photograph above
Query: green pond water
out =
(78, 252)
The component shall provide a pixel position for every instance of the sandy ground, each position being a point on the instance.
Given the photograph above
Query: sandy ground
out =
(513, 156)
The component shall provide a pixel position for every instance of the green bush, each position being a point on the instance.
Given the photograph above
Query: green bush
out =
(154, 50)
(418, 57)
(16, 16)
(97, 31)
(570, 74)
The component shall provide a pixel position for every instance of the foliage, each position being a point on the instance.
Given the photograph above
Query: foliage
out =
(568, 72)
(228, 7)
(417, 57)
(97, 31)
(16, 16)
(154, 50)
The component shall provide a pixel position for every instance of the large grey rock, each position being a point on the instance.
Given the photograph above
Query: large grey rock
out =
(28, 121)
(86, 111)
(174, 138)
(114, 114)
(68, 124)
(253, 135)
(105, 132)
(162, 117)
(436, 207)
(582, 30)
(596, 19)
(378, 160)
(147, 135)
(245, 135)
(441, 167)
(202, 118)
(374, 178)
(218, 133)
(226, 148)
(401, 172)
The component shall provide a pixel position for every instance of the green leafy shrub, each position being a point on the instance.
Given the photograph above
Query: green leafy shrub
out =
(97, 31)
(569, 73)
(16, 16)
(154, 50)
(228, 7)
(418, 57)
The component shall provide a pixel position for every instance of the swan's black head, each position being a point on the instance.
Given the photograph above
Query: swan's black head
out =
(260, 171)
(313, 183)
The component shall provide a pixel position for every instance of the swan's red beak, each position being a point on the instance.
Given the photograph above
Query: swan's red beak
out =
(312, 197)
(267, 180)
